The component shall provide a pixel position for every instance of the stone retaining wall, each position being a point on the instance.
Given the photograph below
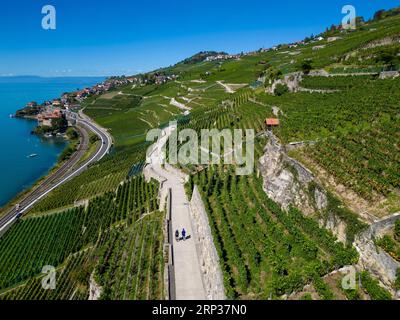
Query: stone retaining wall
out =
(373, 258)
(208, 256)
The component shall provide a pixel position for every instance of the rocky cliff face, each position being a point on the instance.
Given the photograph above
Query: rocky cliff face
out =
(292, 81)
(288, 182)
(374, 259)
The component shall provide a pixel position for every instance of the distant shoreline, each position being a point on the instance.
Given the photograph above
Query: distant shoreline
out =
(80, 82)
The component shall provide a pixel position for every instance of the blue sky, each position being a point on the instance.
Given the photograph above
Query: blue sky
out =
(96, 37)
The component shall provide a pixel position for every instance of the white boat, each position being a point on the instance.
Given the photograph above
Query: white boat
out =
(33, 155)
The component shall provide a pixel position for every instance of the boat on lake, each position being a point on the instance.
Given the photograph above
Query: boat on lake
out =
(33, 155)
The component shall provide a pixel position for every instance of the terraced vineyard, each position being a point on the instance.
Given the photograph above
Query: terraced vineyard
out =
(69, 240)
(336, 82)
(308, 116)
(366, 161)
(102, 177)
(104, 229)
(264, 251)
(72, 280)
(131, 261)
(47, 241)
(391, 242)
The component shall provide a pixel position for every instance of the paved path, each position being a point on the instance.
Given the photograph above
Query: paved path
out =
(188, 279)
(65, 173)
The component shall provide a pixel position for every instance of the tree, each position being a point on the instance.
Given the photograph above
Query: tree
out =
(273, 73)
(280, 89)
(379, 14)
(59, 124)
(72, 134)
(388, 57)
(94, 138)
(360, 20)
(306, 66)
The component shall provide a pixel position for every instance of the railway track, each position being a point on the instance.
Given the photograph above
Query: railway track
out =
(67, 171)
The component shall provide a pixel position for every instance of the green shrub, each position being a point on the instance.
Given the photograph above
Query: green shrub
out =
(68, 151)
(306, 296)
(386, 243)
(281, 89)
(322, 288)
(72, 134)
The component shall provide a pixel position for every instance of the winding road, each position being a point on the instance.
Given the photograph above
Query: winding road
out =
(66, 172)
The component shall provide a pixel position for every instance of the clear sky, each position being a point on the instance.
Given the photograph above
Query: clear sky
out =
(98, 37)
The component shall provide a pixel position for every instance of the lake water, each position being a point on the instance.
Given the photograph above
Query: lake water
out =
(18, 171)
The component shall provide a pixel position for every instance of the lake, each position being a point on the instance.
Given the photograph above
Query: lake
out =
(18, 171)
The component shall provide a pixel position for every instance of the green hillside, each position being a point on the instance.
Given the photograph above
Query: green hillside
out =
(106, 222)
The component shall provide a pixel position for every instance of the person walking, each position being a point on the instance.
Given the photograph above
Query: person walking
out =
(177, 235)
(184, 234)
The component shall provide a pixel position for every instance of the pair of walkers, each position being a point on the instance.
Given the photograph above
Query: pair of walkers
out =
(183, 237)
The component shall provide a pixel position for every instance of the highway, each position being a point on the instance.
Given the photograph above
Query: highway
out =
(66, 172)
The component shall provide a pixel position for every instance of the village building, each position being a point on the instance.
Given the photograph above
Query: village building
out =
(271, 123)
(56, 103)
(31, 104)
(46, 117)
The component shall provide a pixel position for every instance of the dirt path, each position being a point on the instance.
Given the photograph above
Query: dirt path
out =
(181, 106)
(227, 88)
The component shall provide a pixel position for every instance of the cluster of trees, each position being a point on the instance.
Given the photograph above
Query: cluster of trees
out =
(382, 14)
(305, 66)
(59, 125)
(389, 57)
(201, 56)
(72, 134)
(281, 89)
(68, 151)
